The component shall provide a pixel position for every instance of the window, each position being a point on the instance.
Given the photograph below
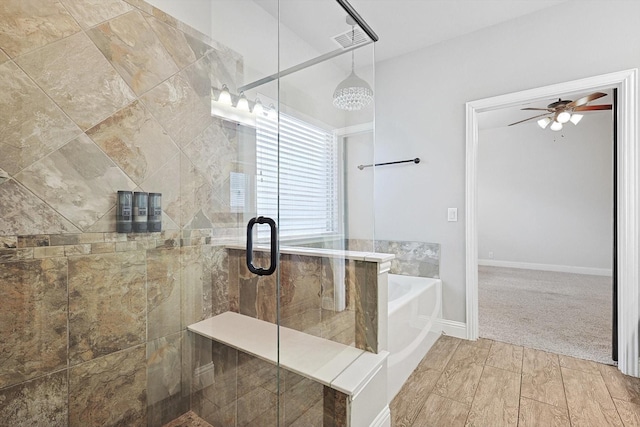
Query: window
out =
(309, 173)
(237, 191)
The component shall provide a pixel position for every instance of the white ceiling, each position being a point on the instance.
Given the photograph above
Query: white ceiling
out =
(402, 25)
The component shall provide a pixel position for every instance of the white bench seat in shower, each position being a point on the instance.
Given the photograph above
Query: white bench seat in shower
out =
(341, 367)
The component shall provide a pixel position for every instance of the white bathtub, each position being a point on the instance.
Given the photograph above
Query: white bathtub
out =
(415, 305)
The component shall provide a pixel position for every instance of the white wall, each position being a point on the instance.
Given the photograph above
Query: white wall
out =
(359, 206)
(546, 197)
(420, 111)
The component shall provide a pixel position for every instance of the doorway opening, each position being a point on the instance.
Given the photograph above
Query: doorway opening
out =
(626, 243)
(545, 227)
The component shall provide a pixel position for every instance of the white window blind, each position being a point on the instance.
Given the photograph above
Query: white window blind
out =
(237, 191)
(308, 186)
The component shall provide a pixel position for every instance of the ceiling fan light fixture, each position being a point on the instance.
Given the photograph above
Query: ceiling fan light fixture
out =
(575, 118)
(544, 122)
(556, 126)
(563, 117)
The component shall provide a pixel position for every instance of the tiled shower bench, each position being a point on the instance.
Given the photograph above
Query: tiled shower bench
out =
(360, 375)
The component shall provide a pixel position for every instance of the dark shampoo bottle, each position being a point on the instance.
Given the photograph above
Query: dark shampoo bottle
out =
(154, 221)
(124, 212)
(140, 211)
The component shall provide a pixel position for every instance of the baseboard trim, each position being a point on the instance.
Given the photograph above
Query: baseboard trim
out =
(383, 419)
(546, 267)
(452, 328)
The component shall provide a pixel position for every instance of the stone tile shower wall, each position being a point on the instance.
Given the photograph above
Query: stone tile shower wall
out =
(249, 391)
(306, 303)
(100, 96)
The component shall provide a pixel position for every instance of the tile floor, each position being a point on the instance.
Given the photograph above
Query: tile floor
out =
(489, 383)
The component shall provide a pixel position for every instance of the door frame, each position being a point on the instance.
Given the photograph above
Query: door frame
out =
(628, 201)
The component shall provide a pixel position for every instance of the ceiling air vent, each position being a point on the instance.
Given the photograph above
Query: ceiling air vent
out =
(351, 38)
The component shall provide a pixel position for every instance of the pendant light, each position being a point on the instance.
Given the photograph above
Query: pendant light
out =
(353, 93)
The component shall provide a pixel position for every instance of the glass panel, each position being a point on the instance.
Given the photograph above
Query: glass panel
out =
(247, 31)
(273, 144)
(324, 202)
(182, 99)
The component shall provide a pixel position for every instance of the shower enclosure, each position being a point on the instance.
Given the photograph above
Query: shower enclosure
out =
(260, 301)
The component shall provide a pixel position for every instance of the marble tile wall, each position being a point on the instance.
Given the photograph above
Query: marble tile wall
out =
(106, 96)
(100, 96)
(105, 312)
(419, 259)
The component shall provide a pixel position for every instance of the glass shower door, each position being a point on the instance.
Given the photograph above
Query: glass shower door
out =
(302, 108)
(322, 203)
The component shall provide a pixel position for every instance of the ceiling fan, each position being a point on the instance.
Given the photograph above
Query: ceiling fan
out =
(560, 112)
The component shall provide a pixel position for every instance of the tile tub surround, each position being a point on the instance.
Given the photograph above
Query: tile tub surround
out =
(420, 259)
(101, 96)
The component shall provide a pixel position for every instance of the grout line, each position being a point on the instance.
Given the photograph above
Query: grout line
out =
(520, 391)
(613, 400)
(68, 344)
(478, 384)
(564, 390)
(543, 403)
(521, 378)
(474, 395)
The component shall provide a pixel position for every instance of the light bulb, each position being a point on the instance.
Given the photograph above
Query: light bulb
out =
(225, 96)
(575, 118)
(556, 126)
(258, 109)
(272, 112)
(563, 117)
(544, 122)
(242, 104)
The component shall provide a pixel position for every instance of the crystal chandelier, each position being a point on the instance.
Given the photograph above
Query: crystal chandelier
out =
(353, 93)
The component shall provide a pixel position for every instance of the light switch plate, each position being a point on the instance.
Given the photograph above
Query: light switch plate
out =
(452, 215)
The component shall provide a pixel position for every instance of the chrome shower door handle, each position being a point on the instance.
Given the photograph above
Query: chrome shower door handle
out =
(274, 246)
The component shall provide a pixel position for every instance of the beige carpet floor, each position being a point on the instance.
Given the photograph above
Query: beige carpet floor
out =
(558, 312)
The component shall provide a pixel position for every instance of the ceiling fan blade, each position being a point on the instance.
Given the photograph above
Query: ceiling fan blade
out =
(593, 107)
(530, 118)
(586, 99)
(538, 109)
